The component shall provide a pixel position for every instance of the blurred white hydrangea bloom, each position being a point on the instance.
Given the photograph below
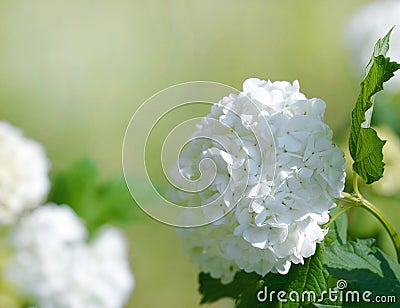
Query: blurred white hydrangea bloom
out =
(371, 22)
(55, 265)
(293, 171)
(24, 182)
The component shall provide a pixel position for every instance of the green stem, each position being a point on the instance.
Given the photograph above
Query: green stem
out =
(358, 200)
(340, 212)
(351, 198)
(387, 225)
(355, 185)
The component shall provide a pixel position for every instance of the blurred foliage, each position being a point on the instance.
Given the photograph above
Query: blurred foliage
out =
(97, 203)
(387, 110)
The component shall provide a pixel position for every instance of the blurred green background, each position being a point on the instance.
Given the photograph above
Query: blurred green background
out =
(72, 73)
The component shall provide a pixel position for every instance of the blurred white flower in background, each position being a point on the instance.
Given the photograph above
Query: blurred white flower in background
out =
(282, 225)
(24, 182)
(54, 264)
(365, 26)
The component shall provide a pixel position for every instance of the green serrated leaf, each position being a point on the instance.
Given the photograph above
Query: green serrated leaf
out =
(365, 267)
(364, 144)
(308, 277)
(381, 48)
(353, 255)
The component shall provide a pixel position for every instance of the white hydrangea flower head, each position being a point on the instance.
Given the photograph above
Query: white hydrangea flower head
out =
(55, 265)
(292, 171)
(369, 23)
(24, 181)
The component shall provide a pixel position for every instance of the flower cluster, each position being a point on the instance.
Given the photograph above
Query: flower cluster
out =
(24, 183)
(277, 164)
(54, 263)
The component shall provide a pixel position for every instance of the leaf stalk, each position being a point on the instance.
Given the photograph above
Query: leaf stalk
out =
(357, 200)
